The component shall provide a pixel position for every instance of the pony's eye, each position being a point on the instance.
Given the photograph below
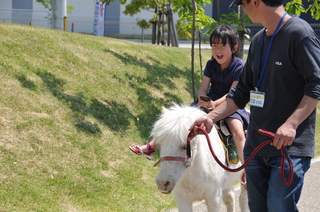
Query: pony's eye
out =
(183, 148)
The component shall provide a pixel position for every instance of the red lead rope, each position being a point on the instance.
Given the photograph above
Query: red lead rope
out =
(284, 154)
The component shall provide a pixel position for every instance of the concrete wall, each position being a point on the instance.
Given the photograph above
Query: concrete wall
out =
(82, 17)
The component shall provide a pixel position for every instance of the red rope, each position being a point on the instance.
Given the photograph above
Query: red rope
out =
(284, 154)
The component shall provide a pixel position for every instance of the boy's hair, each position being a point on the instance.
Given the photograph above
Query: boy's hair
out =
(223, 34)
(270, 3)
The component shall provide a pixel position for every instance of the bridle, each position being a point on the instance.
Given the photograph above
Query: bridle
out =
(170, 158)
(186, 160)
(284, 154)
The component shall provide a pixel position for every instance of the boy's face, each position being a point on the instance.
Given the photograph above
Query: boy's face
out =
(222, 53)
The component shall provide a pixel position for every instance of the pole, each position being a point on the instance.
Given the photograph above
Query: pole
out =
(59, 11)
(65, 23)
(192, 47)
(241, 33)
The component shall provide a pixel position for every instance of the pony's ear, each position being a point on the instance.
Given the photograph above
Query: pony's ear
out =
(164, 110)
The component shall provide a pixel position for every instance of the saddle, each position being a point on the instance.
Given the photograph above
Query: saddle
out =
(227, 140)
(223, 131)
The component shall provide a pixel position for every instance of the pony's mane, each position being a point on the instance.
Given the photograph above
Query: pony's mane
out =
(175, 122)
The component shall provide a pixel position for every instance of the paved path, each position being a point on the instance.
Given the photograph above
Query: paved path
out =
(187, 44)
(310, 197)
(309, 201)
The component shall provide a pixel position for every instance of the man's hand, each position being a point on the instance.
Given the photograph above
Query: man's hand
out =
(204, 122)
(284, 136)
(286, 133)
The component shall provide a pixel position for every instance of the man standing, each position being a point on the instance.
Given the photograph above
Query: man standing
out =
(281, 80)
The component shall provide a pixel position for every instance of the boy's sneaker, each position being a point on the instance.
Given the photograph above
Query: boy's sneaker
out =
(136, 149)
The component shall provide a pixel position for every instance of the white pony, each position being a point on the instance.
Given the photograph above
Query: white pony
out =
(204, 179)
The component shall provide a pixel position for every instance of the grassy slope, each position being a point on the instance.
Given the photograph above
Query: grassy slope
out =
(71, 104)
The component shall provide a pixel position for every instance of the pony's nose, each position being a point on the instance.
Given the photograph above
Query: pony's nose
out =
(165, 186)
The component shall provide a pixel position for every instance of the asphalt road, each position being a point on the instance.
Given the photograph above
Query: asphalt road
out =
(309, 200)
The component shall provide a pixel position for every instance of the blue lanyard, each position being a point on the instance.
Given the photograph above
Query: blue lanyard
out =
(261, 72)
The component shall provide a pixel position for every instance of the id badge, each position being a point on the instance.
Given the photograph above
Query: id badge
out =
(257, 98)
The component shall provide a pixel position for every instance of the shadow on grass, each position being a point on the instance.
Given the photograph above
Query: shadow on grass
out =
(110, 113)
(26, 83)
(155, 74)
(115, 116)
(157, 77)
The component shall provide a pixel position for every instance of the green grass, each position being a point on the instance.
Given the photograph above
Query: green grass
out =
(70, 106)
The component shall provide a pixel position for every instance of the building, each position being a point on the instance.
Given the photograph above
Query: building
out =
(82, 18)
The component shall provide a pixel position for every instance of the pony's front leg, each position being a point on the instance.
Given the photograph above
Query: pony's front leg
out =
(213, 204)
(243, 200)
(229, 200)
(184, 204)
(213, 199)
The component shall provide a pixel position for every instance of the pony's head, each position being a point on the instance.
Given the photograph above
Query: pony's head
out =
(170, 132)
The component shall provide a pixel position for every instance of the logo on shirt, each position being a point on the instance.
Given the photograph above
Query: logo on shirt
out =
(278, 63)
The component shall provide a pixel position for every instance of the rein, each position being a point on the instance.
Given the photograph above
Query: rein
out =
(284, 154)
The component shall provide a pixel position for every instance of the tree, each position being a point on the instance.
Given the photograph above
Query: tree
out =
(192, 17)
(47, 5)
(161, 9)
(143, 24)
(184, 10)
(295, 7)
